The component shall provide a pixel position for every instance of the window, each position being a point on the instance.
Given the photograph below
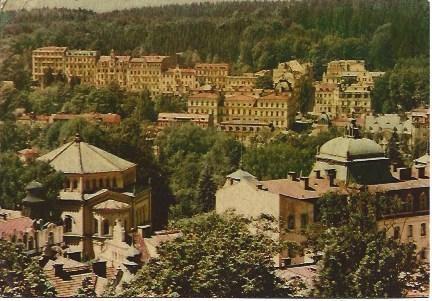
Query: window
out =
(304, 220)
(423, 229)
(291, 222)
(75, 184)
(423, 201)
(95, 226)
(50, 238)
(67, 226)
(105, 227)
(31, 243)
(396, 232)
(410, 231)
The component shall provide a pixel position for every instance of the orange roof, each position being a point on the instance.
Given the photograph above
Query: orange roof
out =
(69, 286)
(240, 97)
(294, 189)
(274, 96)
(208, 65)
(326, 87)
(155, 58)
(204, 95)
(19, 224)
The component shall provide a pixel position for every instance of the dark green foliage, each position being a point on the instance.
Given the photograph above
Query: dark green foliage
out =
(307, 95)
(20, 275)
(359, 261)
(87, 289)
(264, 82)
(195, 148)
(393, 149)
(206, 190)
(293, 152)
(215, 256)
(403, 88)
(14, 176)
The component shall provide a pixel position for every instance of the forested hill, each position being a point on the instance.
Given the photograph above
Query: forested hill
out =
(251, 35)
(95, 5)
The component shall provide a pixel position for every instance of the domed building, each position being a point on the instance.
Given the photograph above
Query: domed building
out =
(351, 159)
(98, 192)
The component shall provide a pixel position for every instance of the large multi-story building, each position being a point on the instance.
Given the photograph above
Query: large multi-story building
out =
(343, 165)
(47, 58)
(178, 81)
(213, 74)
(98, 193)
(81, 64)
(112, 69)
(345, 89)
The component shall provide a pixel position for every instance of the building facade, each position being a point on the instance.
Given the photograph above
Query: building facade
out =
(345, 89)
(98, 191)
(343, 165)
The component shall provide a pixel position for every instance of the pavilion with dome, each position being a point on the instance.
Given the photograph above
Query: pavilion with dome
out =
(352, 159)
(98, 194)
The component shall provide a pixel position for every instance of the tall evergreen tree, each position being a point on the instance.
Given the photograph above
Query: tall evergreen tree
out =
(206, 190)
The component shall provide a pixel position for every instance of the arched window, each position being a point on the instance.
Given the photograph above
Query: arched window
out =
(105, 227)
(50, 238)
(31, 243)
(95, 226)
(423, 201)
(396, 232)
(67, 224)
(409, 202)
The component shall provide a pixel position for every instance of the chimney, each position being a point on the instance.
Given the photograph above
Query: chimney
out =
(145, 231)
(259, 186)
(58, 269)
(420, 171)
(317, 173)
(292, 175)
(305, 182)
(331, 175)
(132, 267)
(99, 268)
(394, 167)
(4, 216)
(404, 173)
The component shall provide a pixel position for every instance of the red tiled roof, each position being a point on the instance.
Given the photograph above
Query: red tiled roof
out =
(275, 97)
(19, 224)
(294, 189)
(69, 286)
(325, 87)
(204, 95)
(240, 97)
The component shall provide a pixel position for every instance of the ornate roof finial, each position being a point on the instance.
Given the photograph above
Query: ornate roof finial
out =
(77, 138)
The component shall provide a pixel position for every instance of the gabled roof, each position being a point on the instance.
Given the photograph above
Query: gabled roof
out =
(111, 205)
(240, 174)
(78, 157)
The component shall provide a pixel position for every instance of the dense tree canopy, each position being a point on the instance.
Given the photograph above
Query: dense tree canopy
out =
(215, 256)
(359, 259)
(20, 275)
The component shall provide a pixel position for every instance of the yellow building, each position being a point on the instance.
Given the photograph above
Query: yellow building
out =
(48, 57)
(112, 69)
(81, 64)
(178, 81)
(245, 81)
(204, 103)
(213, 74)
(238, 107)
(146, 73)
(345, 89)
(98, 192)
(279, 109)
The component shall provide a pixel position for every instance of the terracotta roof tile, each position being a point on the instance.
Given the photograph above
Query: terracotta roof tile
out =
(17, 225)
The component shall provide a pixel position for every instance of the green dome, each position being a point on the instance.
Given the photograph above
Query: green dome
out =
(345, 147)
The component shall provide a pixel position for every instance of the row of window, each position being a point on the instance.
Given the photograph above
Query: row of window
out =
(410, 231)
(93, 184)
(291, 221)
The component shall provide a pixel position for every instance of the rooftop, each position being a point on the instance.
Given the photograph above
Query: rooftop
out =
(78, 157)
